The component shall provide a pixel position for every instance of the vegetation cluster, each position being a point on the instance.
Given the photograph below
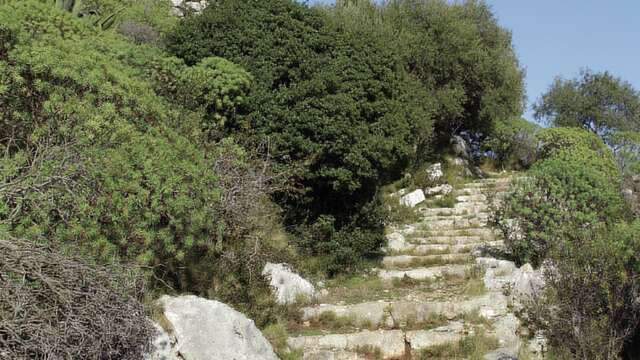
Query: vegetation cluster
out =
(190, 151)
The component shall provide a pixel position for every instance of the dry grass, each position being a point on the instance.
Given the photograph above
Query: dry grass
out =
(56, 307)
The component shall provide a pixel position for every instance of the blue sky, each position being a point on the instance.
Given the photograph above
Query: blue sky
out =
(559, 37)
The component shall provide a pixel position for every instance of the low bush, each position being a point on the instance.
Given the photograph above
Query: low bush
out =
(102, 151)
(589, 306)
(572, 187)
(53, 306)
(512, 143)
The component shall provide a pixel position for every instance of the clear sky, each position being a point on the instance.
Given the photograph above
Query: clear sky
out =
(559, 37)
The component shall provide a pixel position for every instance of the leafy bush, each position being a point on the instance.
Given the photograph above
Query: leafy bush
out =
(551, 141)
(573, 187)
(95, 157)
(512, 143)
(56, 307)
(464, 61)
(598, 102)
(331, 103)
(589, 307)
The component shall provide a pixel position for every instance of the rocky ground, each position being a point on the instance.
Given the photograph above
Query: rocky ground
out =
(438, 294)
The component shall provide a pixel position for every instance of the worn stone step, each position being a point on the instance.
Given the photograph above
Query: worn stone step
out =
(392, 344)
(334, 355)
(477, 231)
(455, 224)
(424, 273)
(447, 240)
(439, 249)
(471, 198)
(393, 262)
(463, 216)
(448, 211)
(400, 314)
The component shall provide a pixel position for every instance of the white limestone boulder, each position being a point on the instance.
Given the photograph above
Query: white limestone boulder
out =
(413, 198)
(182, 7)
(434, 172)
(288, 286)
(444, 189)
(396, 242)
(201, 329)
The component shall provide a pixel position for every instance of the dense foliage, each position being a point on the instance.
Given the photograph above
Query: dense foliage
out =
(512, 143)
(589, 308)
(349, 96)
(463, 60)
(575, 184)
(598, 102)
(569, 216)
(106, 151)
(331, 104)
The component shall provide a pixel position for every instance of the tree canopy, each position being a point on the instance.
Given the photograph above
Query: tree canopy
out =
(596, 101)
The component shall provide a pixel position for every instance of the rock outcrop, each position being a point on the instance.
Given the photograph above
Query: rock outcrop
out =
(288, 286)
(201, 329)
(413, 198)
(434, 172)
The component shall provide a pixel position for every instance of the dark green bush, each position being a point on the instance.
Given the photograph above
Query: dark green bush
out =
(512, 143)
(575, 187)
(589, 307)
(333, 104)
(96, 158)
(462, 58)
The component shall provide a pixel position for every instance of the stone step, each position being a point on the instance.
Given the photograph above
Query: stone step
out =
(447, 240)
(480, 191)
(440, 249)
(449, 211)
(392, 262)
(471, 198)
(452, 224)
(424, 273)
(469, 216)
(478, 231)
(399, 314)
(391, 344)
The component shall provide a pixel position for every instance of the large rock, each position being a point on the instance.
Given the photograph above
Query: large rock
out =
(413, 198)
(444, 189)
(396, 242)
(202, 329)
(460, 147)
(289, 287)
(434, 172)
(183, 7)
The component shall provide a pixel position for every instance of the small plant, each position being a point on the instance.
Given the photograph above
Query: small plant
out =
(472, 347)
(369, 352)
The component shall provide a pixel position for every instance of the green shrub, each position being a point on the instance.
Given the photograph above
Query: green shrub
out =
(592, 287)
(553, 140)
(463, 60)
(333, 105)
(99, 156)
(574, 188)
(512, 143)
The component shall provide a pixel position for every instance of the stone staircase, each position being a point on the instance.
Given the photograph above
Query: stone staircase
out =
(435, 296)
